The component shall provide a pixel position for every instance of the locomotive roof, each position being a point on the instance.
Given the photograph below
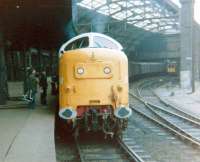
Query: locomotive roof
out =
(91, 36)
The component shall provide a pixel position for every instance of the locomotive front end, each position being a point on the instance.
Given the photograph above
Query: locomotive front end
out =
(93, 90)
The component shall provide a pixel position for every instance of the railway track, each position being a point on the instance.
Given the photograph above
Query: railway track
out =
(171, 127)
(162, 128)
(155, 141)
(115, 150)
(97, 149)
(175, 108)
(182, 124)
(182, 121)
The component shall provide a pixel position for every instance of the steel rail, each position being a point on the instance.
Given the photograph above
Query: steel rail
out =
(178, 116)
(174, 114)
(163, 125)
(129, 151)
(133, 156)
(189, 118)
(176, 108)
(166, 121)
(152, 108)
(172, 106)
(185, 115)
(148, 83)
(173, 125)
(79, 152)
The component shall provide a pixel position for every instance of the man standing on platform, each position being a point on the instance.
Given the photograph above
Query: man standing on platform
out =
(43, 86)
(32, 88)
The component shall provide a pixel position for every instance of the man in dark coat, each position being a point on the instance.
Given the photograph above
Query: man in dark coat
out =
(43, 86)
(54, 85)
(32, 88)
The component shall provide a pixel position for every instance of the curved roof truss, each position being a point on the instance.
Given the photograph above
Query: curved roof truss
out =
(151, 15)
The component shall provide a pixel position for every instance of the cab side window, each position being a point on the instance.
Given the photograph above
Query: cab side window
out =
(69, 46)
(79, 43)
(84, 42)
(101, 42)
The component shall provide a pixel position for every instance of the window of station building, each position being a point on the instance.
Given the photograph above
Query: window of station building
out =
(101, 42)
(79, 43)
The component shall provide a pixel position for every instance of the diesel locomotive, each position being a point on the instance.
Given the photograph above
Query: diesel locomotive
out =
(93, 84)
(172, 67)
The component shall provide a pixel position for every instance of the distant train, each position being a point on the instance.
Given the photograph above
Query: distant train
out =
(172, 67)
(93, 84)
(140, 69)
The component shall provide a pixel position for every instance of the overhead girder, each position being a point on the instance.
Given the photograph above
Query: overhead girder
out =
(135, 21)
(155, 16)
(125, 10)
(145, 3)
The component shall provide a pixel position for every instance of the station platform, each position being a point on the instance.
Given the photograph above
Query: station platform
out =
(175, 95)
(27, 135)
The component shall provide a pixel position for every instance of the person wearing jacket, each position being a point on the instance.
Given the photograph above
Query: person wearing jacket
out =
(43, 87)
(32, 88)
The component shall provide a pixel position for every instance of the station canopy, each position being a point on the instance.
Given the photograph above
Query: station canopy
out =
(128, 21)
(150, 15)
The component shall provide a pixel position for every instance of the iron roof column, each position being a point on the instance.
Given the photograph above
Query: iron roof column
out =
(186, 22)
(3, 72)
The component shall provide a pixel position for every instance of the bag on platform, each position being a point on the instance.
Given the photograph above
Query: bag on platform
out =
(28, 96)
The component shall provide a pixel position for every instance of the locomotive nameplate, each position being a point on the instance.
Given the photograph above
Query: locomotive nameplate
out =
(93, 70)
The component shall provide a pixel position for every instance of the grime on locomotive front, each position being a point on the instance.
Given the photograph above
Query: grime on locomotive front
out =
(93, 84)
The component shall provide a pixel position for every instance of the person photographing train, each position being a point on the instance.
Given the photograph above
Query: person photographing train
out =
(43, 87)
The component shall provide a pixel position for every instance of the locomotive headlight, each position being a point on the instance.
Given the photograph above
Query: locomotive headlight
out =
(107, 70)
(80, 70)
